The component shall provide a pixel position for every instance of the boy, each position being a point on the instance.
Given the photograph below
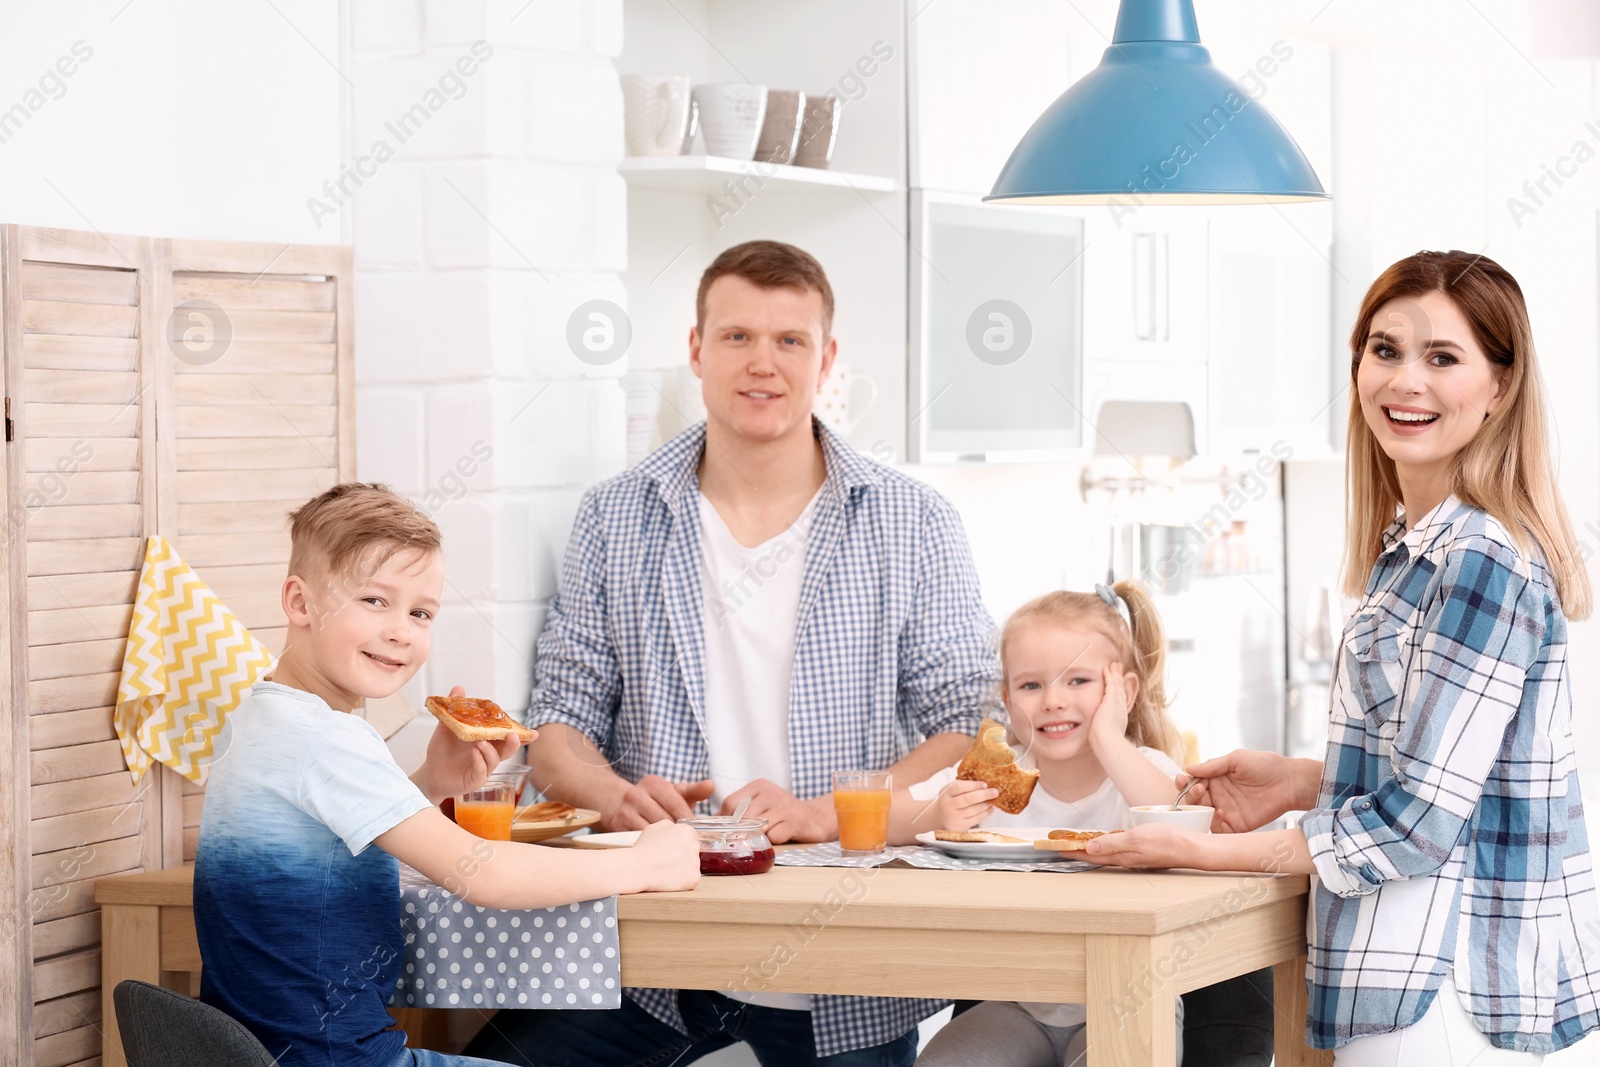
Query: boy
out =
(297, 918)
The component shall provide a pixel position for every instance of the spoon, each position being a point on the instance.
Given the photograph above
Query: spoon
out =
(1192, 783)
(744, 806)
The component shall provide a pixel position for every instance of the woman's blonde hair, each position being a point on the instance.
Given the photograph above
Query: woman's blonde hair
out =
(1505, 469)
(1141, 645)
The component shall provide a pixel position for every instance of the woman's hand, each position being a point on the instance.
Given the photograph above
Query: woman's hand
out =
(1249, 789)
(1152, 845)
(454, 766)
(1110, 723)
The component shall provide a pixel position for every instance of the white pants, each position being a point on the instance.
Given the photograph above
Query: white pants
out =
(1444, 1037)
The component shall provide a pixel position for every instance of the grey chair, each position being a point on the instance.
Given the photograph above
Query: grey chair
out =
(161, 1028)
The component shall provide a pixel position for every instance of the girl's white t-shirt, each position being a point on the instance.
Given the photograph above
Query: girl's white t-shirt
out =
(1104, 809)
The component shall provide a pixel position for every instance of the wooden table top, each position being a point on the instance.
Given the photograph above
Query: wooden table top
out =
(1111, 901)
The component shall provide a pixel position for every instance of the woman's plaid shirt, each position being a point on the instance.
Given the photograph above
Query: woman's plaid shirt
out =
(1449, 834)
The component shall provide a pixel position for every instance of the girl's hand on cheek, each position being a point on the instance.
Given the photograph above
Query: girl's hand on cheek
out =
(1110, 722)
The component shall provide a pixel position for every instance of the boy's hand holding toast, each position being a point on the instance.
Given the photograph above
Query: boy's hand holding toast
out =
(668, 854)
(454, 765)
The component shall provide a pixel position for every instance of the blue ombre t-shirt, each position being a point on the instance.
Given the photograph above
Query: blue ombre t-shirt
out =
(298, 917)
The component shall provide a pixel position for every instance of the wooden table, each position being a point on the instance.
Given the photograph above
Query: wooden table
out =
(1125, 943)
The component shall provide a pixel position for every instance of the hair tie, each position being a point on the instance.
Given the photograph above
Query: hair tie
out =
(1114, 599)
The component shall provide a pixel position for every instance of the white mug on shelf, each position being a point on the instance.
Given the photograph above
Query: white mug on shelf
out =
(731, 114)
(837, 403)
(655, 112)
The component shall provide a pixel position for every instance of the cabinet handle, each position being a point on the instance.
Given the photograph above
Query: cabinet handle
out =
(1152, 297)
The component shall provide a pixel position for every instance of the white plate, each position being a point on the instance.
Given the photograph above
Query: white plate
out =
(1000, 850)
(614, 839)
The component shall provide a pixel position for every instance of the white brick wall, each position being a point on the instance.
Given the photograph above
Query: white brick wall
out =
(498, 214)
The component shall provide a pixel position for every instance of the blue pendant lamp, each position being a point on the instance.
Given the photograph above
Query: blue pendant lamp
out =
(1156, 123)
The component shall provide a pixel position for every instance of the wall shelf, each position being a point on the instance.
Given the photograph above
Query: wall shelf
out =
(706, 175)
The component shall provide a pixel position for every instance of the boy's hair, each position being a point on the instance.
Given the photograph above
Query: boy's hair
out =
(768, 265)
(1505, 469)
(337, 530)
(1141, 645)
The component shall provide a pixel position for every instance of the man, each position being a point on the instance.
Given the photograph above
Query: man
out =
(752, 607)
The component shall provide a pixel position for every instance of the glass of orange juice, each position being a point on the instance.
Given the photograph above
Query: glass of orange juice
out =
(861, 800)
(486, 811)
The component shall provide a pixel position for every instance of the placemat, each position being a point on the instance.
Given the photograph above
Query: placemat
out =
(827, 854)
(462, 955)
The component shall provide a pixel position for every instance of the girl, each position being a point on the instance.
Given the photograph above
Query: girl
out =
(1083, 687)
(1445, 827)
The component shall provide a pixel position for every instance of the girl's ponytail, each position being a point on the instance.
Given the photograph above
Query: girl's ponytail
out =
(1148, 722)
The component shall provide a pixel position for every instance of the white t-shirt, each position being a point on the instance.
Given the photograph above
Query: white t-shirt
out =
(750, 613)
(1104, 809)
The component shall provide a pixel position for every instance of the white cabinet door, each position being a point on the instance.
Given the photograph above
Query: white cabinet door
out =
(1146, 284)
(980, 74)
(1270, 351)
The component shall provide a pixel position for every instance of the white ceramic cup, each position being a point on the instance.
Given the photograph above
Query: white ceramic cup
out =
(841, 402)
(731, 114)
(655, 113)
(1188, 816)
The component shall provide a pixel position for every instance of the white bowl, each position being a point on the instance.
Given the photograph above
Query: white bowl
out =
(1189, 816)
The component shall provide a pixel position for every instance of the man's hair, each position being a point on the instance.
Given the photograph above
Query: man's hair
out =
(339, 528)
(768, 265)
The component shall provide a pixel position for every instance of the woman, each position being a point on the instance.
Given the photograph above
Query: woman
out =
(1445, 827)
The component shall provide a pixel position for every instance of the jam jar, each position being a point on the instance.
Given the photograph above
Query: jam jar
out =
(732, 846)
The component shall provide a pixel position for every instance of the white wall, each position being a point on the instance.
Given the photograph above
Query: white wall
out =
(499, 214)
(186, 119)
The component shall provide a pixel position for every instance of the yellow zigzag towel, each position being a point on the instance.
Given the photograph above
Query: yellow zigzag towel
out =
(189, 662)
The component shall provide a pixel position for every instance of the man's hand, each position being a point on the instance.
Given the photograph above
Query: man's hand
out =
(655, 799)
(788, 819)
(454, 766)
(1152, 845)
(1248, 789)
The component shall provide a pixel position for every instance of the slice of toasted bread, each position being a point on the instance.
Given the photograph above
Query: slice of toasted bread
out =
(484, 719)
(546, 811)
(991, 761)
(978, 836)
(1070, 840)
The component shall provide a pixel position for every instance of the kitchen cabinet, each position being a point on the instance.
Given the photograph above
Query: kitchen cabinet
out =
(996, 330)
(1146, 284)
(981, 72)
(1270, 340)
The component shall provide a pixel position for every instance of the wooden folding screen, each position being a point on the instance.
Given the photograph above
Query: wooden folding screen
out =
(192, 389)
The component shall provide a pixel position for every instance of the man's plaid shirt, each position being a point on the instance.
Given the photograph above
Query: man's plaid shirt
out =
(1449, 835)
(893, 644)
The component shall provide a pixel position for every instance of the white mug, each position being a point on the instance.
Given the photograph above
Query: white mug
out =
(655, 113)
(836, 401)
(731, 114)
